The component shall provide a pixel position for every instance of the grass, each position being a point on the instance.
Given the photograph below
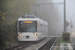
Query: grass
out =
(58, 48)
(62, 41)
(7, 43)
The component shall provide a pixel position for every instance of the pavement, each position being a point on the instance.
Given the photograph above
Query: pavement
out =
(72, 38)
(37, 46)
(66, 46)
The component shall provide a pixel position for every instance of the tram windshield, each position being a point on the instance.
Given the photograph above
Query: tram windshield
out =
(28, 26)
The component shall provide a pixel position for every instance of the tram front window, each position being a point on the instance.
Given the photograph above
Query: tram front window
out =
(28, 27)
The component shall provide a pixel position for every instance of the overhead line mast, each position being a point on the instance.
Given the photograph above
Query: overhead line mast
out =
(37, 4)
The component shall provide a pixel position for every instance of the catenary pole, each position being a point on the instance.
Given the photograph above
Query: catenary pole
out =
(64, 15)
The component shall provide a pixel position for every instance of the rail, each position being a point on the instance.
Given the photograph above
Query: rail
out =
(19, 46)
(53, 44)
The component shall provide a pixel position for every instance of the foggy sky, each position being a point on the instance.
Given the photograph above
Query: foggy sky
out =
(54, 14)
(49, 13)
(70, 11)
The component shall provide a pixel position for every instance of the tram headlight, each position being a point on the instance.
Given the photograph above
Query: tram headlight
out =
(35, 34)
(19, 34)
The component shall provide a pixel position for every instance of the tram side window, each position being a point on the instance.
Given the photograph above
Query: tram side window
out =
(41, 24)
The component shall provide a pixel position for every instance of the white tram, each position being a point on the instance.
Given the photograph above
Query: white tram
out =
(31, 28)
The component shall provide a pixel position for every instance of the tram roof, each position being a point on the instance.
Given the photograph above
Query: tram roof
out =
(30, 17)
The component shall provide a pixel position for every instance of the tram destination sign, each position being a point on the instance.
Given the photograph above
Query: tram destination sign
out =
(27, 22)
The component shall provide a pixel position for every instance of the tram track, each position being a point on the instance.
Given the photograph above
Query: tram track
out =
(49, 45)
(19, 46)
(37, 45)
(22, 45)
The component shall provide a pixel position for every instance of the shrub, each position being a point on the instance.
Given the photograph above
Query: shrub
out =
(66, 36)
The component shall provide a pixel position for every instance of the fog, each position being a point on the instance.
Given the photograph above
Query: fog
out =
(53, 13)
(70, 11)
(50, 13)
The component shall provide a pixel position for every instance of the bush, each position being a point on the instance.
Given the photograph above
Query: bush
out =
(2, 37)
(66, 36)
